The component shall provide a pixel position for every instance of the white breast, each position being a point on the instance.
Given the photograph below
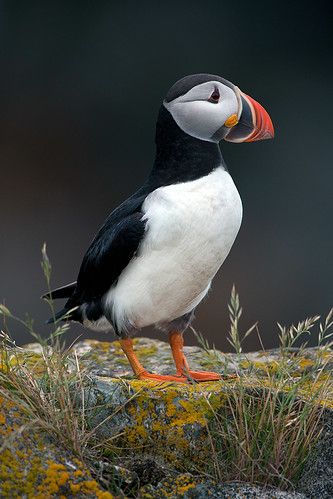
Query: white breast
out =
(190, 230)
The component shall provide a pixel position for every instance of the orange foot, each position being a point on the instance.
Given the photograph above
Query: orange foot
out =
(161, 377)
(204, 376)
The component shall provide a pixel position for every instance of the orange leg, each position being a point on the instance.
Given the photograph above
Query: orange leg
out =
(139, 370)
(177, 343)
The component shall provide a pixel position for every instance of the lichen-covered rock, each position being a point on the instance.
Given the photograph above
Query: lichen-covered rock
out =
(167, 422)
(188, 487)
(32, 466)
(107, 359)
(124, 481)
(317, 477)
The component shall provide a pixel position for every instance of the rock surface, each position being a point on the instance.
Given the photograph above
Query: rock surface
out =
(187, 487)
(317, 477)
(165, 424)
(106, 359)
(33, 466)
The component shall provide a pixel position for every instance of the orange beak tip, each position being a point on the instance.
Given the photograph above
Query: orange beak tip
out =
(264, 128)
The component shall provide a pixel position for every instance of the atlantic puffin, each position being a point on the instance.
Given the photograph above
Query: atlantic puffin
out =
(153, 260)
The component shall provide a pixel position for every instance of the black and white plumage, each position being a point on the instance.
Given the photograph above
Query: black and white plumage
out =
(154, 258)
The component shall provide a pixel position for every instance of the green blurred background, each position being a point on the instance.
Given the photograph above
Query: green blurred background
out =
(81, 84)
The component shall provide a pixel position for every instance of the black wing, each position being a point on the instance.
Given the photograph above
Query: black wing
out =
(113, 247)
(106, 258)
(110, 252)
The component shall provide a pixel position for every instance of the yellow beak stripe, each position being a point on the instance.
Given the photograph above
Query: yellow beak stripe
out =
(231, 121)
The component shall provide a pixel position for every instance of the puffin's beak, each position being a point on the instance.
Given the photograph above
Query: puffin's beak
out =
(254, 122)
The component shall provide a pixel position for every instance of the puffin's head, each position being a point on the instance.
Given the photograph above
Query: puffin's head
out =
(211, 108)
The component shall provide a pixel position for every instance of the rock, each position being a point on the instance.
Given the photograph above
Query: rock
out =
(33, 466)
(188, 487)
(162, 427)
(121, 478)
(317, 477)
(106, 359)
(169, 420)
(166, 421)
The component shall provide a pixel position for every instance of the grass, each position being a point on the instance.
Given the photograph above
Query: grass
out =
(265, 434)
(262, 435)
(51, 388)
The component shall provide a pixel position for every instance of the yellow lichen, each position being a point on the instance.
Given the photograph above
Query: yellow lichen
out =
(267, 367)
(162, 414)
(24, 359)
(100, 345)
(55, 478)
(90, 487)
(24, 471)
(303, 363)
(160, 417)
(170, 488)
(114, 348)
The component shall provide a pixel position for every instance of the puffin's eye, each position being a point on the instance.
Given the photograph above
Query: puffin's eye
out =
(214, 98)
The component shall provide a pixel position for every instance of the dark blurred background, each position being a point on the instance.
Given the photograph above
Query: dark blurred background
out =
(81, 84)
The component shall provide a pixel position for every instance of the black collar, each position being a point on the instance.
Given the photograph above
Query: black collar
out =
(180, 157)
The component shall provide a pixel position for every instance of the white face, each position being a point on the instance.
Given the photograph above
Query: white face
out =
(204, 109)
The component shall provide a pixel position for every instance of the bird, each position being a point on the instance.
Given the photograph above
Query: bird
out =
(153, 260)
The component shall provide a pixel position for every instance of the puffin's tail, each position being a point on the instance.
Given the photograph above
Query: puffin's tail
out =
(63, 292)
(58, 315)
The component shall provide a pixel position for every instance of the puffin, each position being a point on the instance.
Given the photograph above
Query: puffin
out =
(153, 260)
